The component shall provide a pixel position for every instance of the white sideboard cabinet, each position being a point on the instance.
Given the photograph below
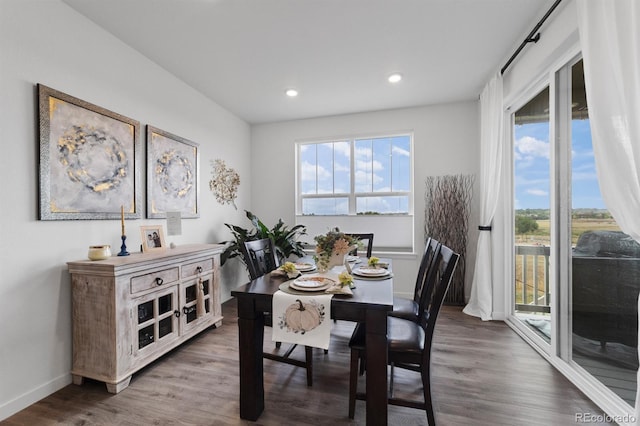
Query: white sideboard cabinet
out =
(130, 310)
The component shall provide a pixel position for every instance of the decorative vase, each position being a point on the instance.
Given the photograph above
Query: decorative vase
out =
(326, 264)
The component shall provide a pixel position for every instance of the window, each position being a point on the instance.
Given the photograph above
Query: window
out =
(360, 185)
(368, 176)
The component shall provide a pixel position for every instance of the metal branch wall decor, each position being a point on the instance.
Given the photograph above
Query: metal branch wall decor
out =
(224, 183)
(446, 218)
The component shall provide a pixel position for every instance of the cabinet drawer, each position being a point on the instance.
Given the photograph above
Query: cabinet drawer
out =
(195, 268)
(153, 279)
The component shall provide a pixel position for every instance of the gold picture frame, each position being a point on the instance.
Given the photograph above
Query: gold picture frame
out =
(152, 237)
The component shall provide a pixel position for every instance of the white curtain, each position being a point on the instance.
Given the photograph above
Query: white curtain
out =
(491, 150)
(610, 40)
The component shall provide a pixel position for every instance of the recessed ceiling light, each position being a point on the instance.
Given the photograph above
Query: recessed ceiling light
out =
(292, 93)
(394, 78)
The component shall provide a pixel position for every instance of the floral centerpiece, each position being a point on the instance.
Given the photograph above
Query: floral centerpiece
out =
(331, 249)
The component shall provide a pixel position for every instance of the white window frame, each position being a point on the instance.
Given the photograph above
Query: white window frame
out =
(393, 232)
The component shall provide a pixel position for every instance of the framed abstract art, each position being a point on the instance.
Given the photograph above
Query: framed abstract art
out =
(172, 175)
(89, 160)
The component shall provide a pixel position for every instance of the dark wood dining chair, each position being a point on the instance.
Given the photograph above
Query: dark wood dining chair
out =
(363, 237)
(409, 342)
(261, 258)
(409, 308)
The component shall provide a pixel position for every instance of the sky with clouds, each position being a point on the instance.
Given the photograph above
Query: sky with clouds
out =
(381, 165)
(532, 171)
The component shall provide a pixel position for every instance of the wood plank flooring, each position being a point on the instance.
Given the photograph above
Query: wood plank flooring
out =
(483, 374)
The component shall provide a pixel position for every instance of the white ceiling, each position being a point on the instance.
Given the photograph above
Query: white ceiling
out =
(243, 54)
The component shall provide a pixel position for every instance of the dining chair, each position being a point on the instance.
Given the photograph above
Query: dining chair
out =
(261, 258)
(409, 308)
(366, 237)
(409, 343)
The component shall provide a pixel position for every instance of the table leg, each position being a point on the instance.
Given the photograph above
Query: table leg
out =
(250, 339)
(376, 325)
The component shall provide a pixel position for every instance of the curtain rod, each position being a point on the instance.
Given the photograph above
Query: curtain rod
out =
(533, 36)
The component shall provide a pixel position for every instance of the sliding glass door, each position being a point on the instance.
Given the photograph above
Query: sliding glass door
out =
(576, 276)
(532, 224)
(605, 268)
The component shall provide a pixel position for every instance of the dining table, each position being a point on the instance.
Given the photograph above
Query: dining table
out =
(369, 304)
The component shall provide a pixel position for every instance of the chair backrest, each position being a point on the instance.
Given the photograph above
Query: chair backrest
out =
(431, 300)
(363, 237)
(431, 250)
(260, 257)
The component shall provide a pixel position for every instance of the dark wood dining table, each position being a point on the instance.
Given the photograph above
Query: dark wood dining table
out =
(370, 303)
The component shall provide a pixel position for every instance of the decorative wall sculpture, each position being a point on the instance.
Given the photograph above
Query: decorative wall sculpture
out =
(224, 183)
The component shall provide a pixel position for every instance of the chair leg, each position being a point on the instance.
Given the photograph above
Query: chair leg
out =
(426, 385)
(353, 382)
(278, 344)
(391, 382)
(308, 354)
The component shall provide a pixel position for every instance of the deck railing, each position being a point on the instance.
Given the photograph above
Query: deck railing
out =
(532, 279)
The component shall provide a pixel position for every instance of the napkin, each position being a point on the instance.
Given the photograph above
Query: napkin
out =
(302, 319)
(339, 289)
(279, 271)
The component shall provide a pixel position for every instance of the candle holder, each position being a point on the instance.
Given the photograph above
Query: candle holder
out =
(123, 247)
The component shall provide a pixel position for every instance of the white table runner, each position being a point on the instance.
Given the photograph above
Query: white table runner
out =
(302, 319)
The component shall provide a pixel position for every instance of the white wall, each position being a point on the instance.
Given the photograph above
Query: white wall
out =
(446, 139)
(45, 41)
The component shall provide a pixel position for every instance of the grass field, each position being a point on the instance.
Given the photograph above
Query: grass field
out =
(542, 238)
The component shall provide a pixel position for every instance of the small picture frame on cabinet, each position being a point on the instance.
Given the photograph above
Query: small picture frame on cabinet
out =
(152, 238)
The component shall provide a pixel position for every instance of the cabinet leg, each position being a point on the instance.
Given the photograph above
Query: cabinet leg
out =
(77, 380)
(117, 387)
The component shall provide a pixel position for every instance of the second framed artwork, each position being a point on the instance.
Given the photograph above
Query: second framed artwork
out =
(152, 238)
(172, 175)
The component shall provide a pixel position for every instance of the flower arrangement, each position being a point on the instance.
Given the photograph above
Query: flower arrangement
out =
(332, 244)
(288, 267)
(373, 261)
(345, 279)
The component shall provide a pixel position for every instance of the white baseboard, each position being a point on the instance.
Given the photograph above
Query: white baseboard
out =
(21, 402)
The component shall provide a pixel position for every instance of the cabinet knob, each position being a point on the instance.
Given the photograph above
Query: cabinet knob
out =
(176, 313)
(199, 269)
(159, 281)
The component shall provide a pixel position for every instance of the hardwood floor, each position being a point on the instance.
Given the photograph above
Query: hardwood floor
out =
(483, 374)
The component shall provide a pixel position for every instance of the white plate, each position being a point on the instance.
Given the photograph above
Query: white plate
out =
(313, 282)
(353, 259)
(304, 267)
(322, 288)
(371, 272)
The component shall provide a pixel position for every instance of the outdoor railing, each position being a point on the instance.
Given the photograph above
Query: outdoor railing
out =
(532, 279)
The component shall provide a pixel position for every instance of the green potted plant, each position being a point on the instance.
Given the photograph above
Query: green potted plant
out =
(285, 240)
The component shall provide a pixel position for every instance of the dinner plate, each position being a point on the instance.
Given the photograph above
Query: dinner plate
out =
(310, 289)
(371, 272)
(312, 282)
(305, 267)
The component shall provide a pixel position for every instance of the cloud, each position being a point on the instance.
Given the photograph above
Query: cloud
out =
(527, 148)
(308, 172)
(399, 151)
(538, 192)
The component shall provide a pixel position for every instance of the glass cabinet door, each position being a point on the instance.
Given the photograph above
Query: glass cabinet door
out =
(156, 319)
(189, 292)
